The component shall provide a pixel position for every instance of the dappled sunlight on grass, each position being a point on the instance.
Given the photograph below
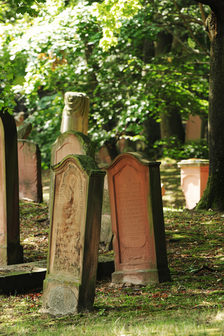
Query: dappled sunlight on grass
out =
(190, 305)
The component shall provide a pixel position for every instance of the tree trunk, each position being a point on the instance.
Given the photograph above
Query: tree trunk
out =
(214, 195)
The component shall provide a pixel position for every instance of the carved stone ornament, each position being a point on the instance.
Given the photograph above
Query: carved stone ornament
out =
(75, 113)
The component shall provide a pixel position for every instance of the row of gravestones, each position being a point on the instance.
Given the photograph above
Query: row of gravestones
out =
(75, 217)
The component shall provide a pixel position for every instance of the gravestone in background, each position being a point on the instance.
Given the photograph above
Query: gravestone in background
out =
(193, 128)
(137, 221)
(75, 113)
(70, 142)
(10, 249)
(29, 162)
(74, 239)
(74, 128)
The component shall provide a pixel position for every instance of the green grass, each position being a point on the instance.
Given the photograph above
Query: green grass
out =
(192, 304)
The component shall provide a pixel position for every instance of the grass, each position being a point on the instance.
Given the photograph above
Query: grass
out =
(192, 304)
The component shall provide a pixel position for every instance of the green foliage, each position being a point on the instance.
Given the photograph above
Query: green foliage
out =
(59, 49)
(174, 149)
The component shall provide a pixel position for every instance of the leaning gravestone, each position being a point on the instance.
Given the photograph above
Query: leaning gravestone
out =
(75, 230)
(29, 160)
(137, 221)
(11, 251)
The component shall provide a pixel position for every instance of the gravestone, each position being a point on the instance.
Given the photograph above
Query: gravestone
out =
(137, 221)
(70, 142)
(74, 127)
(74, 239)
(29, 162)
(193, 128)
(10, 249)
(75, 113)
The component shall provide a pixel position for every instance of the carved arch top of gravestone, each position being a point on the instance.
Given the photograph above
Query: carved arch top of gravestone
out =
(70, 143)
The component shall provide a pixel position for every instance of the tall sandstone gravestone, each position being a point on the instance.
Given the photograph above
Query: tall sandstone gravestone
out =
(29, 160)
(11, 251)
(74, 127)
(75, 230)
(137, 221)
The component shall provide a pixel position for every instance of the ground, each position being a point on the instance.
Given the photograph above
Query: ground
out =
(191, 304)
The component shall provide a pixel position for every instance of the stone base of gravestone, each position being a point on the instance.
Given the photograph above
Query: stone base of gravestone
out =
(136, 277)
(74, 239)
(137, 221)
(11, 251)
(29, 163)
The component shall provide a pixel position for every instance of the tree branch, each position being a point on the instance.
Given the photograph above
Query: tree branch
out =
(189, 29)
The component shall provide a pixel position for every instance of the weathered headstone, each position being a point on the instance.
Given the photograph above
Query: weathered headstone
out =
(75, 113)
(75, 231)
(29, 162)
(137, 221)
(11, 251)
(70, 142)
(74, 127)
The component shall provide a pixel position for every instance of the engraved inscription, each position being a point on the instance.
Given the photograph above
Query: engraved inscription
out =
(69, 212)
(131, 208)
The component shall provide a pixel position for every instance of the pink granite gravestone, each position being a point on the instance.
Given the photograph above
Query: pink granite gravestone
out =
(137, 221)
(11, 251)
(74, 239)
(29, 160)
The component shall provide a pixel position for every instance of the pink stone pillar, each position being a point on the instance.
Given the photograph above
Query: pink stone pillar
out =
(194, 177)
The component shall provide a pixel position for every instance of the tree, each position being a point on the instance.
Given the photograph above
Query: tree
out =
(131, 85)
(214, 195)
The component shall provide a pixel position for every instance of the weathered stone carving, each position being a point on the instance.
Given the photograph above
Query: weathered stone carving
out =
(75, 113)
(74, 239)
